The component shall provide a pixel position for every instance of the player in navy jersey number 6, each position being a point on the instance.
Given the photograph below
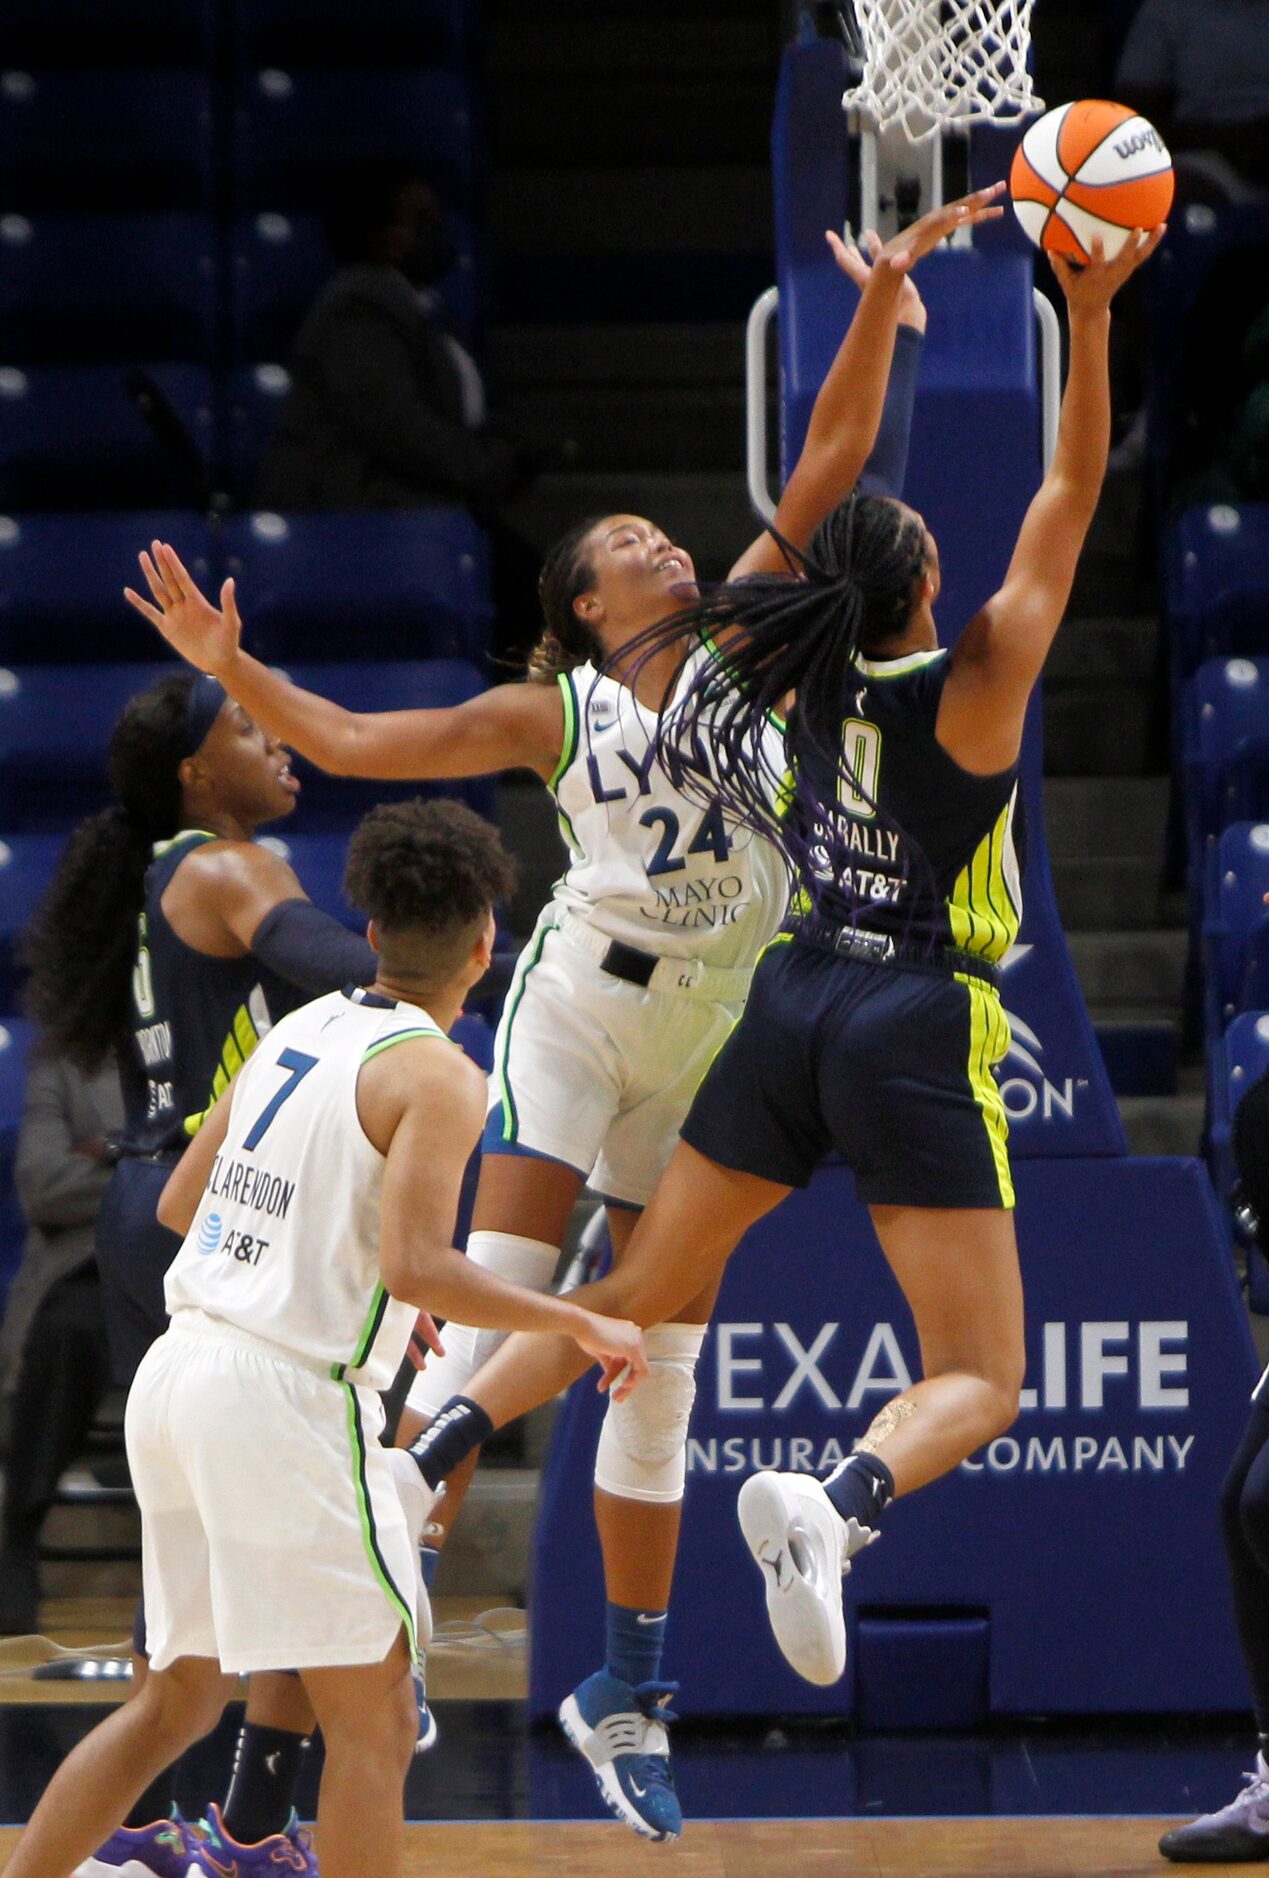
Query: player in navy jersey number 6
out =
(874, 1020)
(641, 960)
(318, 1205)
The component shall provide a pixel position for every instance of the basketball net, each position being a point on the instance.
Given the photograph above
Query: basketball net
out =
(933, 65)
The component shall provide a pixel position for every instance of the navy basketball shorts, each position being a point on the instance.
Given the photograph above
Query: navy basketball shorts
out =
(133, 1254)
(889, 1066)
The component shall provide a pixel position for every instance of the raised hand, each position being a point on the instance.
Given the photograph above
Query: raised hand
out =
(851, 259)
(617, 1345)
(205, 635)
(1091, 288)
(904, 250)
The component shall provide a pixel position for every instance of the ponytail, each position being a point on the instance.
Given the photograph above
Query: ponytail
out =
(81, 945)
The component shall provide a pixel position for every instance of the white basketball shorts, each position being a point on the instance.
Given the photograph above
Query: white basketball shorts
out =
(272, 1532)
(596, 1072)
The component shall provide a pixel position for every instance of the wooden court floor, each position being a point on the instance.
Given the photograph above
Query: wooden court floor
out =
(889, 1848)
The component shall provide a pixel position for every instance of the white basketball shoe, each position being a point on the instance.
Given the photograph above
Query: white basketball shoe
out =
(802, 1546)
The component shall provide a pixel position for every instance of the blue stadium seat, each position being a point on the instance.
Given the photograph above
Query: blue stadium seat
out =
(1218, 582)
(55, 723)
(62, 579)
(1236, 925)
(1225, 753)
(99, 287)
(252, 400)
(406, 583)
(74, 437)
(1198, 238)
(26, 867)
(15, 1046)
(94, 139)
(50, 33)
(279, 264)
(317, 32)
(333, 803)
(296, 132)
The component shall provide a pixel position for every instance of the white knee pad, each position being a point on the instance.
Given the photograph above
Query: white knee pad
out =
(642, 1452)
(527, 1262)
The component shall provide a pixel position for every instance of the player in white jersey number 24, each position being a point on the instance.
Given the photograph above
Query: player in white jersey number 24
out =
(639, 965)
(318, 1205)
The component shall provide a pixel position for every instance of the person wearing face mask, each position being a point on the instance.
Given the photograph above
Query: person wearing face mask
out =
(387, 408)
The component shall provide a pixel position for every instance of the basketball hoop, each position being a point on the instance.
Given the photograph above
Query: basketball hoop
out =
(934, 65)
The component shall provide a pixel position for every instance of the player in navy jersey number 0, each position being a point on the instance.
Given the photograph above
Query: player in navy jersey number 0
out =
(639, 965)
(874, 1020)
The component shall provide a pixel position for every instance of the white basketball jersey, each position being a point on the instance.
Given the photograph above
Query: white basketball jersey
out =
(647, 865)
(285, 1243)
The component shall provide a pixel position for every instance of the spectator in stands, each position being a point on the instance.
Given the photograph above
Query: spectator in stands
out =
(53, 1352)
(387, 407)
(1199, 70)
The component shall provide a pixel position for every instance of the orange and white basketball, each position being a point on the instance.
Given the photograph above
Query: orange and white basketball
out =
(1090, 169)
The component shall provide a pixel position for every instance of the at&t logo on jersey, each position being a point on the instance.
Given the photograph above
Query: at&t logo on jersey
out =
(209, 1233)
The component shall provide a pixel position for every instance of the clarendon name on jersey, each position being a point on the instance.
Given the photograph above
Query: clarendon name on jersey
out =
(155, 1044)
(250, 1186)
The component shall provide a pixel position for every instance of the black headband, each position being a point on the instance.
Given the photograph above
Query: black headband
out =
(202, 708)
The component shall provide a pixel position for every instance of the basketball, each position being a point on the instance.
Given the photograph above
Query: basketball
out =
(1086, 170)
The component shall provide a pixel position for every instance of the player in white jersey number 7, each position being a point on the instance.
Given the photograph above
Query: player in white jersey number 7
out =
(317, 1203)
(639, 965)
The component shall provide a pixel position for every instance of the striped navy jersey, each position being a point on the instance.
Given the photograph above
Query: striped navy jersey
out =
(195, 1018)
(913, 845)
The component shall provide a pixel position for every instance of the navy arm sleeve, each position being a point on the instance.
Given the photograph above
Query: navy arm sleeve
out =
(886, 468)
(299, 942)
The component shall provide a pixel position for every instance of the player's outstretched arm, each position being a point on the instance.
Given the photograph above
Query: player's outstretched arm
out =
(509, 727)
(1002, 651)
(423, 1106)
(847, 413)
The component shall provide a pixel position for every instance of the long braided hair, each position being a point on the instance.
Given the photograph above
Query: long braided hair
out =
(852, 591)
(81, 944)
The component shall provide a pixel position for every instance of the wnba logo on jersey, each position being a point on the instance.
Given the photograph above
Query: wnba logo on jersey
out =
(209, 1233)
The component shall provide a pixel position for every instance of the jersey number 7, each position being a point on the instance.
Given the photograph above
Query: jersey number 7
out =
(299, 1064)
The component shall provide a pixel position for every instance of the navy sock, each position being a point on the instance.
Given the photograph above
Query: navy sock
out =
(461, 1426)
(430, 1557)
(861, 1488)
(635, 1640)
(262, 1786)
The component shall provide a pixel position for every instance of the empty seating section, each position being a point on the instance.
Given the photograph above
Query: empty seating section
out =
(62, 579)
(1218, 582)
(87, 288)
(296, 131)
(398, 585)
(160, 242)
(85, 436)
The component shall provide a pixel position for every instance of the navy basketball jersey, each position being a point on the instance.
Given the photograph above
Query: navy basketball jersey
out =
(913, 846)
(194, 1018)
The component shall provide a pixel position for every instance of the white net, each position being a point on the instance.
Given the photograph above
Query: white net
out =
(930, 64)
